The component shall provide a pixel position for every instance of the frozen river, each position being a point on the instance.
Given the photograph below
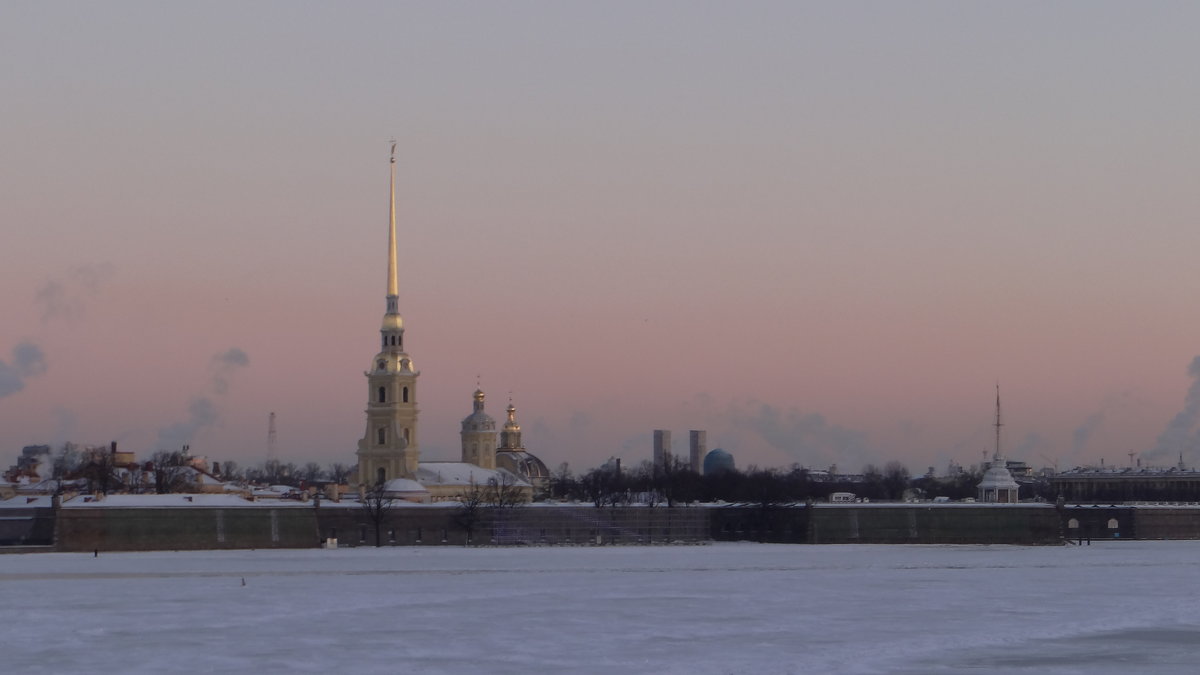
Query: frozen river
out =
(1116, 607)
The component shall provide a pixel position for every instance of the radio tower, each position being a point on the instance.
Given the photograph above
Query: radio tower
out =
(272, 450)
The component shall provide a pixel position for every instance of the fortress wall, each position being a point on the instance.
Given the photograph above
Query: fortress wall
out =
(191, 528)
(26, 527)
(1160, 522)
(890, 524)
(407, 526)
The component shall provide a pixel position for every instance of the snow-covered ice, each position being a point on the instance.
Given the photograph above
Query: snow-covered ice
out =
(1113, 607)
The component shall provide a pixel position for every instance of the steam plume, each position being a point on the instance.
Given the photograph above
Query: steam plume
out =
(203, 409)
(28, 361)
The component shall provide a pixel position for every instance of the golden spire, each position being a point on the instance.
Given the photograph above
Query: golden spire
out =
(393, 287)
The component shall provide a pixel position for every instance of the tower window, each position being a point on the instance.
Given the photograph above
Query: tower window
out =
(384, 340)
(382, 435)
(381, 475)
(404, 394)
(383, 394)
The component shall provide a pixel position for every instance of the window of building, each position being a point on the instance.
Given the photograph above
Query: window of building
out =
(382, 435)
(404, 394)
(383, 394)
(380, 475)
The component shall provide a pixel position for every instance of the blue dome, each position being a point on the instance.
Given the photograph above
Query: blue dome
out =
(717, 461)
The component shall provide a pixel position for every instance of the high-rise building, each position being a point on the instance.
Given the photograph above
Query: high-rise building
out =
(662, 446)
(697, 447)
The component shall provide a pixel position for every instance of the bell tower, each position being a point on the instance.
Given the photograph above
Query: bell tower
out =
(388, 448)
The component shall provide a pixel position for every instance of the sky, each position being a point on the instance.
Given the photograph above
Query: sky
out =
(823, 232)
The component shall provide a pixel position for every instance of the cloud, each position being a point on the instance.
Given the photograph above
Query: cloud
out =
(203, 410)
(66, 297)
(28, 360)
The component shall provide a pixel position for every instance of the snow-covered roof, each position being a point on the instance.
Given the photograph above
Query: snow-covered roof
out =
(404, 486)
(27, 502)
(461, 473)
(160, 501)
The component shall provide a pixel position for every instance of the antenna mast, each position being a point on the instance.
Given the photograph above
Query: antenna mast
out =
(998, 422)
(272, 449)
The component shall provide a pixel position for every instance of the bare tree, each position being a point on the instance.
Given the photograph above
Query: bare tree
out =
(562, 482)
(230, 471)
(896, 479)
(377, 506)
(311, 473)
(503, 492)
(338, 473)
(604, 487)
(472, 507)
(99, 470)
(170, 471)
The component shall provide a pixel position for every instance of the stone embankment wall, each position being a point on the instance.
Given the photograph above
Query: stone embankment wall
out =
(288, 526)
(517, 526)
(141, 529)
(890, 524)
(26, 527)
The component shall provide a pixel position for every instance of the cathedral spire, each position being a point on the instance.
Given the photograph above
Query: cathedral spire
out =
(393, 286)
(393, 324)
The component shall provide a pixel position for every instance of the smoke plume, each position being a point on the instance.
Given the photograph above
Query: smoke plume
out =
(807, 437)
(1083, 433)
(224, 365)
(28, 361)
(66, 297)
(203, 410)
(1179, 435)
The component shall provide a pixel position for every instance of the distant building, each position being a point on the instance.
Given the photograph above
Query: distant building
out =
(662, 446)
(1142, 484)
(697, 446)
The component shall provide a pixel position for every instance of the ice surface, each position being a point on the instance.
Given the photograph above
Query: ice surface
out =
(1115, 607)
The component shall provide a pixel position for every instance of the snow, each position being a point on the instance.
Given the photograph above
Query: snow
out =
(1113, 607)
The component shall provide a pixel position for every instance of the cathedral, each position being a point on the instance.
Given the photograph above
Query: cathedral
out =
(389, 451)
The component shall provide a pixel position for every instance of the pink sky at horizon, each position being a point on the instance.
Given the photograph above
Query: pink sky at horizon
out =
(821, 232)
